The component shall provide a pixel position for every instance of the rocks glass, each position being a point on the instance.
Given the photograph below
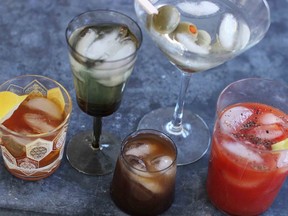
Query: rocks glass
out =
(144, 177)
(249, 156)
(33, 130)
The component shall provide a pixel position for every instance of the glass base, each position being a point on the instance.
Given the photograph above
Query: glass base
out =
(192, 139)
(88, 160)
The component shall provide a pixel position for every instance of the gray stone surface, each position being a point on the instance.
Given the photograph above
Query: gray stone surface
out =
(33, 42)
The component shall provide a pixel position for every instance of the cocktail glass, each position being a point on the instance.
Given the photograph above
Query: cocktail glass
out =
(103, 48)
(248, 162)
(145, 173)
(196, 36)
(36, 112)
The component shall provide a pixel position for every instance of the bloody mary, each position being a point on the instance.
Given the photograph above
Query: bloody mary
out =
(245, 174)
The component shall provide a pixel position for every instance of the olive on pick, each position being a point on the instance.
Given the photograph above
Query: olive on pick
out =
(167, 19)
(204, 38)
(187, 28)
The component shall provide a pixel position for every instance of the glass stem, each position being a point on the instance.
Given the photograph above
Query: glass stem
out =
(176, 124)
(97, 129)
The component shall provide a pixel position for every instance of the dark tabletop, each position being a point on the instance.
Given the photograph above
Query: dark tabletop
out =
(32, 41)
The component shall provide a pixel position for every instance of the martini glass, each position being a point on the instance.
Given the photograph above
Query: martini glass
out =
(196, 36)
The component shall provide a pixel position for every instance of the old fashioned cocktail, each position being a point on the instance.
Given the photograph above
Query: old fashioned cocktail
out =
(34, 120)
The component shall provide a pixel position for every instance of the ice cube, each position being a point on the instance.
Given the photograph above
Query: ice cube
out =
(270, 118)
(102, 47)
(145, 180)
(136, 162)
(233, 118)
(85, 41)
(202, 8)
(37, 122)
(113, 77)
(140, 149)
(244, 181)
(46, 106)
(243, 36)
(150, 183)
(242, 151)
(228, 32)
(127, 48)
(267, 132)
(282, 159)
(108, 44)
(161, 162)
(15, 145)
(143, 194)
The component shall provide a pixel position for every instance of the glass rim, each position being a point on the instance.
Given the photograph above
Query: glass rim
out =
(154, 132)
(105, 11)
(224, 55)
(60, 126)
(248, 79)
(243, 80)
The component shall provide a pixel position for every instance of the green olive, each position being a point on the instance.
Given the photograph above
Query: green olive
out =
(167, 19)
(187, 28)
(204, 38)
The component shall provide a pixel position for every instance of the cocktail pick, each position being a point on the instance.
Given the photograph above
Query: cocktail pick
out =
(148, 6)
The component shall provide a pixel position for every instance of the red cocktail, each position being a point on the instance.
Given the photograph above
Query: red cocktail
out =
(246, 171)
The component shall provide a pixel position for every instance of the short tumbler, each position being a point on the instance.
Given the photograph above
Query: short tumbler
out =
(35, 112)
(144, 176)
(249, 156)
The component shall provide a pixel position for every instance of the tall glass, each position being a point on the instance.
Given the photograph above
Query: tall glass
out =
(249, 156)
(196, 36)
(103, 48)
(33, 128)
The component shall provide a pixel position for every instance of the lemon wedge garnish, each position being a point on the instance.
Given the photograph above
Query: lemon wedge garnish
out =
(280, 145)
(9, 102)
(56, 96)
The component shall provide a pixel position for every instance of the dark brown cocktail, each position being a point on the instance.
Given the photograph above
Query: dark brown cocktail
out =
(144, 177)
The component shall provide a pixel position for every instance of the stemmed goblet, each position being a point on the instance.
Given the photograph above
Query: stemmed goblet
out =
(196, 36)
(103, 48)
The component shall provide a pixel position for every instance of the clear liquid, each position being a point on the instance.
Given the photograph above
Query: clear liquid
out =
(192, 61)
